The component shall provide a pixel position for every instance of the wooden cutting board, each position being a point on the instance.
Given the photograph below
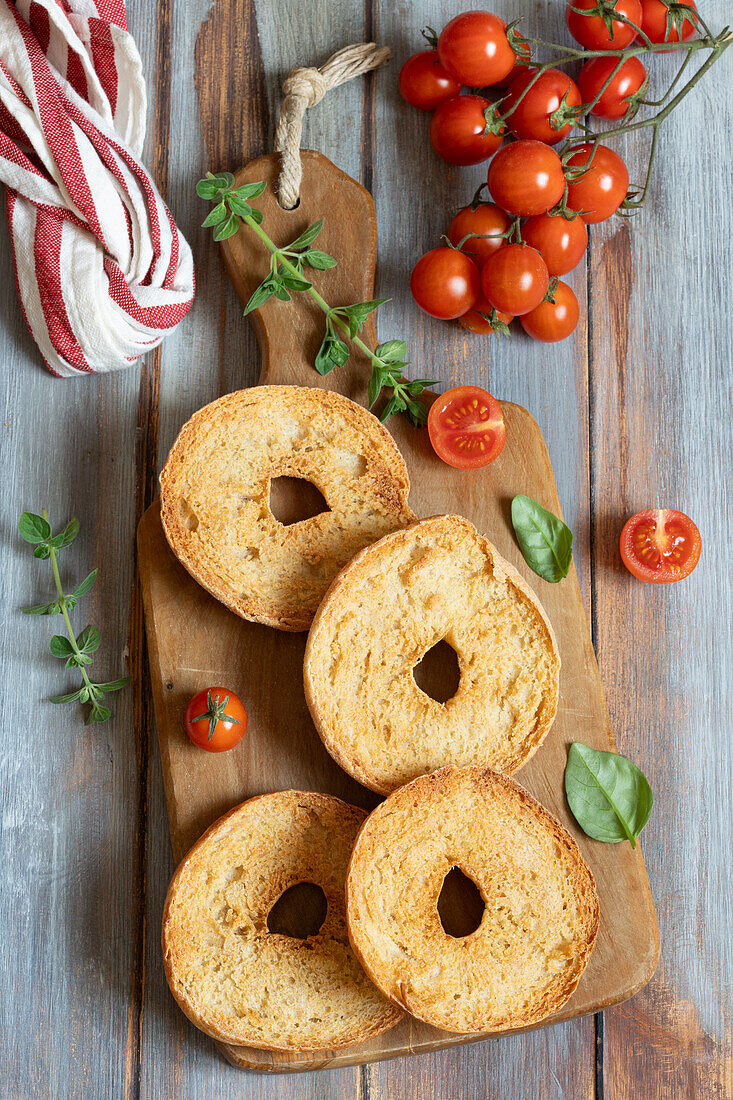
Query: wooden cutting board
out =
(194, 641)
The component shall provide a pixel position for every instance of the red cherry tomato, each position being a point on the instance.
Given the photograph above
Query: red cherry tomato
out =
(474, 48)
(486, 219)
(466, 427)
(215, 719)
(458, 130)
(531, 118)
(600, 192)
(526, 178)
(424, 83)
(551, 321)
(560, 241)
(654, 22)
(476, 319)
(445, 283)
(522, 60)
(591, 30)
(660, 545)
(515, 279)
(614, 101)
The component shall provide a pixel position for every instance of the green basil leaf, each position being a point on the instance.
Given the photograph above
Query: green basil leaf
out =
(43, 609)
(85, 585)
(546, 543)
(70, 698)
(321, 261)
(227, 228)
(262, 294)
(89, 639)
(609, 796)
(114, 685)
(34, 528)
(61, 646)
(307, 236)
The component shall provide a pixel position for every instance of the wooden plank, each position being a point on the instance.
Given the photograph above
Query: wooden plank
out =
(661, 358)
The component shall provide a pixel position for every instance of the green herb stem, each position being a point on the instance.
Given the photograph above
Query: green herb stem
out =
(65, 613)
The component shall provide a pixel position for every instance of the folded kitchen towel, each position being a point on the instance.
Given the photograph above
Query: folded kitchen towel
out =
(102, 271)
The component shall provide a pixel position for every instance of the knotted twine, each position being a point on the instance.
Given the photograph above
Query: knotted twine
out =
(304, 88)
(102, 271)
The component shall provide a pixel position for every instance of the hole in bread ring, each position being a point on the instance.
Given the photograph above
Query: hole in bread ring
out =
(295, 499)
(299, 912)
(460, 905)
(438, 672)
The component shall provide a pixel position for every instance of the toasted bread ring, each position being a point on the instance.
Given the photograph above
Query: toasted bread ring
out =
(439, 579)
(215, 489)
(236, 980)
(541, 912)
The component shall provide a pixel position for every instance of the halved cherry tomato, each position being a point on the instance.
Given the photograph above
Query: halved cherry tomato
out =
(515, 279)
(660, 545)
(486, 219)
(475, 49)
(445, 283)
(475, 320)
(591, 30)
(560, 241)
(599, 193)
(526, 178)
(466, 427)
(458, 130)
(522, 60)
(654, 22)
(424, 83)
(552, 321)
(614, 101)
(215, 719)
(531, 118)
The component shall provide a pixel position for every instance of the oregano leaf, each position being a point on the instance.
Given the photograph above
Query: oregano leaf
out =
(34, 528)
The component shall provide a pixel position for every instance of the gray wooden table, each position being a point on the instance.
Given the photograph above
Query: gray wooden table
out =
(636, 412)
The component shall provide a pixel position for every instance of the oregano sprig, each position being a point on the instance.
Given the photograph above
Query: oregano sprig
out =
(75, 650)
(286, 276)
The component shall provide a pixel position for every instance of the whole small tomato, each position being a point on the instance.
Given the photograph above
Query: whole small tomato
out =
(523, 55)
(215, 719)
(466, 427)
(485, 219)
(545, 112)
(424, 83)
(515, 279)
(458, 130)
(526, 178)
(555, 318)
(483, 319)
(614, 101)
(659, 25)
(475, 49)
(591, 30)
(445, 283)
(599, 193)
(660, 545)
(560, 241)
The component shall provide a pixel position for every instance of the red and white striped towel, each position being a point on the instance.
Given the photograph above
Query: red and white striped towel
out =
(103, 272)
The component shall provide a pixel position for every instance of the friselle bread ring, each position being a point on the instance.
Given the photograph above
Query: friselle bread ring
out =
(243, 984)
(437, 580)
(540, 919)
(215, 490)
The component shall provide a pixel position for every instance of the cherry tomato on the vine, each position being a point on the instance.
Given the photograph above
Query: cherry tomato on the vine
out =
(658, 28)
(215, 719)
(522, 60)
(532, 116)
(551, 321)
(591, 30)
(458, 130)
(476, 319)
(660, 545)
(515, 279)
(526, 178)
(614, 100)
(475, 49)
(445, 283)
(560, 241)
(424, 83)
(486, 219)
(466, 427)
(599, 193)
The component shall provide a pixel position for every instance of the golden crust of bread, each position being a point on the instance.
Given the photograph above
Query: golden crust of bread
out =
(541, 908)
(241, 983)
(437, 580)
(215, 489)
